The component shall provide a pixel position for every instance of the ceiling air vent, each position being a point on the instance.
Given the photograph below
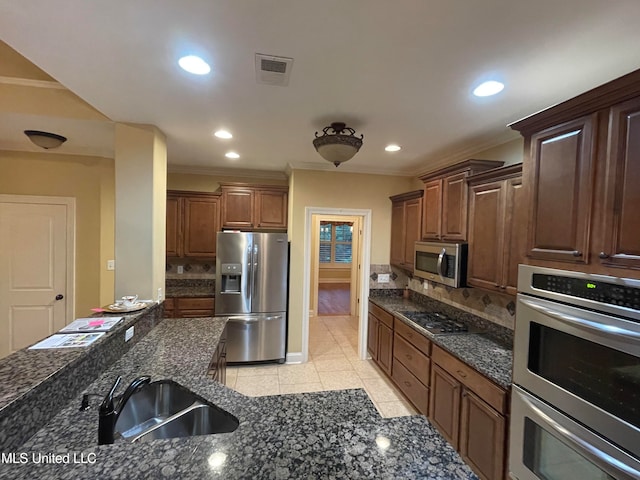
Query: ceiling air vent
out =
(271, 70)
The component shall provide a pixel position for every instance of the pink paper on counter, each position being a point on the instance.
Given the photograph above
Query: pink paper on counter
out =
(96, 323)
(98, 310)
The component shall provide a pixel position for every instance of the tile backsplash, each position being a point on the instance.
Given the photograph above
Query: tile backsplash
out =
(495, 307)
(191, 268)
(397, 278)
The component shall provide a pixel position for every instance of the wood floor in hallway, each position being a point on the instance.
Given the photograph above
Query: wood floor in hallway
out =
(334, 298)
(333, 365)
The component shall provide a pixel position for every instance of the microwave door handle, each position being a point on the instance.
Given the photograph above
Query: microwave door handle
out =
(441, 261)
(600, 458)
(608, 330)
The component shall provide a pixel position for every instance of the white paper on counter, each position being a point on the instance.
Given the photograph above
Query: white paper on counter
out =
(93, 324)
(67, 340)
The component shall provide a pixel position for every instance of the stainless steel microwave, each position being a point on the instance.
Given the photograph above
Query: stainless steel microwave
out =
(441, 262)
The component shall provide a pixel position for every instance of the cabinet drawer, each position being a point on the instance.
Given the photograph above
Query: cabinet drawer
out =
(414, 360)
(382, 315)
(414, 337)
(413, 388)
(196, 303)
(169, 303)
(478, 383)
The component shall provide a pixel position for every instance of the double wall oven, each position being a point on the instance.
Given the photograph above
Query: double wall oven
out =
(576, 395)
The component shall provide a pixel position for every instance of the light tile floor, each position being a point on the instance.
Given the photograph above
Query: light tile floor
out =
(333, 365)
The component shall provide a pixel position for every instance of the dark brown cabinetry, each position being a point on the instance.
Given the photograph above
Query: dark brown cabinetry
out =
(380, 336)
(254, 207)
(406, 221)
(193, 219)
(469, 410)
(581, 170)
(497, 228)
(444, 210)
(189, 307)
(218, 366)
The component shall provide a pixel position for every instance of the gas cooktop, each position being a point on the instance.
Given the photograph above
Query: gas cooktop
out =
(438, 324)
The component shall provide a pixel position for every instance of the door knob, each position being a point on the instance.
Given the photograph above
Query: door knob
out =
(59, 296)
(603, 255)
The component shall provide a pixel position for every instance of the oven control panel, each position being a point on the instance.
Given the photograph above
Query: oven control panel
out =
(602, 292)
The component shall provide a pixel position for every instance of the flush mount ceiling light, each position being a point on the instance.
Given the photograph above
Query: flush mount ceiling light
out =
(486, 89)
(194, 64)
(223, 134)
(339, 146)
(45, 140)
(392, 148)
(233, 155)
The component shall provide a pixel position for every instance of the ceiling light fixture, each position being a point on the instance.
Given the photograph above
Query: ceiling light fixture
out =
(233, 155)
(45, 140)
(223, 134)
(392, 148)
(194, 64)
(486, 89)
(339, 146)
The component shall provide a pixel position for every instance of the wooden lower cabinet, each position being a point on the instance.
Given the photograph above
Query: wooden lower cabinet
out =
(412, 388)
(189, 307)
(462, 406)
(380, 337)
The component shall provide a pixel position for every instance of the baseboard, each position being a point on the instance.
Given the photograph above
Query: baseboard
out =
(335, 280)
(294, 357)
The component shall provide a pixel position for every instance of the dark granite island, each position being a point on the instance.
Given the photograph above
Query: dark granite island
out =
(315, 435)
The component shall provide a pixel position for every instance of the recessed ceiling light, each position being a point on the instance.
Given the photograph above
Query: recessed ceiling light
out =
(231, 155)
(486, 89)
(392, 148)
(223, 134)
(194, 64)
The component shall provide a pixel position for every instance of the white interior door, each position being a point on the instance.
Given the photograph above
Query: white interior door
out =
(35, 298)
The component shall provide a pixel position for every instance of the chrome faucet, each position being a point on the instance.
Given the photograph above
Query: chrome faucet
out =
(108, 414)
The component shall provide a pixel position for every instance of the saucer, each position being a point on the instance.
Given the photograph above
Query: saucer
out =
(119, 308)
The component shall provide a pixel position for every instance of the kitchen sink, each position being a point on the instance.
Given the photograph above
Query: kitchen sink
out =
(166, 409)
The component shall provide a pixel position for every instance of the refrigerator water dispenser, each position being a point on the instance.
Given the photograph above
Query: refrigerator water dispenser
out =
(231, 274)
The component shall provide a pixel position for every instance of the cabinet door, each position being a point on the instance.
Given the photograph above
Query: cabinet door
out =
(621, 246)
(385, 347)
(397, 233)
(562, 186)
(432, 210)
(271, 209)
(238, 208)
(444, 404)
(482, 437)
(454, 207)
(486, 234)
(201, 219)
(372, 336)
(173, 227)
(412, 229)
(515, 229)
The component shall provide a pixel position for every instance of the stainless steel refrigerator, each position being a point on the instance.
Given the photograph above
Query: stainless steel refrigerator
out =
(251, 289)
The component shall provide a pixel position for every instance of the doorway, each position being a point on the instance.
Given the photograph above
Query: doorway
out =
(358, 278)
(37, 236)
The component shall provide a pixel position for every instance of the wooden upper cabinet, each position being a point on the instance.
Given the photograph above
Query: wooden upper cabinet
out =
(406, 220)
(445, 201)
(201, 218)
(497, 226)
(254, 207)
(562, 188)
(173, 226)
(193, 219)
(621, 242)
(432, 210)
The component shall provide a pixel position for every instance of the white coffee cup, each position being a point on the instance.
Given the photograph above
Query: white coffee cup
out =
(129, 300)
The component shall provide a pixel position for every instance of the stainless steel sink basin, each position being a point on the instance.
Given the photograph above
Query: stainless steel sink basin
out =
(166, 409)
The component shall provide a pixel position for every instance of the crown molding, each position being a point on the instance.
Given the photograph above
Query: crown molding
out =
(26, 82)
(227, 172)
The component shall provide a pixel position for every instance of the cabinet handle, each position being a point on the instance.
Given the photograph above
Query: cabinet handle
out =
(408, 384)
(409, 357)
(576, 253)
(603, 255)
(462, 374)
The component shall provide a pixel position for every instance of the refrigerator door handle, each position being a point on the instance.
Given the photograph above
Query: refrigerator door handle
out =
(254, 271)
(249, 263)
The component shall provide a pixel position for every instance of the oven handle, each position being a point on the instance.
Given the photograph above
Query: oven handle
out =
(608, 330)
(440, 262)
(601, 458)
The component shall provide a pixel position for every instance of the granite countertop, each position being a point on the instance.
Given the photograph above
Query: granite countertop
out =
(336, 434)
(190, 287)
(488, 355)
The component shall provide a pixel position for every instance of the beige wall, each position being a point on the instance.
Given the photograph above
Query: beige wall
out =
(90, 180)
(326, 274)
(336, 190)
(210, 183)
(510, 152)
